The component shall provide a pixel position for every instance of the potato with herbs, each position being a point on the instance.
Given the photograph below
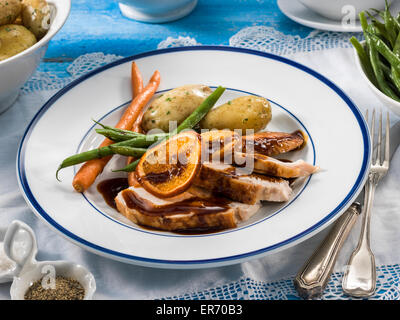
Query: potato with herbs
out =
(14, 38)
(247, 112)
(36, 16)
(174, 105)
(9, 11)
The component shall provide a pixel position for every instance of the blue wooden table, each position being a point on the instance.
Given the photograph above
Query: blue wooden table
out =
(98, 26)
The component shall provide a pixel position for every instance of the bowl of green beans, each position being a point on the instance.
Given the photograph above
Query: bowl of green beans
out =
(378, 56)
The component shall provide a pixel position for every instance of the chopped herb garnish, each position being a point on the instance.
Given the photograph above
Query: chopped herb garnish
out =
(229, 102)
(153, 121)
(168, 112)
(168, 99)
(245, 119)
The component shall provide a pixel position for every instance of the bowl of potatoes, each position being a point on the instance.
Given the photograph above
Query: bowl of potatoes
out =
(26, 27)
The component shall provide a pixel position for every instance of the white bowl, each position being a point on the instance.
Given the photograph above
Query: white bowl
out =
(20, 247)
(337, 9)
(156, 11)
(389, 102)
(16, 70)
(66, 269)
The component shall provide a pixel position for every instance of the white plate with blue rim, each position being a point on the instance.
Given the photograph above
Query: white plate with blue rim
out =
(299, 13)
(338, 142)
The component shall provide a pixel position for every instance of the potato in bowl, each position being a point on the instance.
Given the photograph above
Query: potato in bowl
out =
(14, 39)
(25, 58)
(9, 11)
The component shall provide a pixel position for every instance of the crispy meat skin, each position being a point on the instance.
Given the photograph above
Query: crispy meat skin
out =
(273, 143)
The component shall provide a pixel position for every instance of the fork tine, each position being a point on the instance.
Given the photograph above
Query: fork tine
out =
(373, 136)
(379, 144)
(387, 138)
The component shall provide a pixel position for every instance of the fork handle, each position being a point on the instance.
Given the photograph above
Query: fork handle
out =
(313, 277)
(359, 278)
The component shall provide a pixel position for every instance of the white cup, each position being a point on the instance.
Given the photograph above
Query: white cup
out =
(156, 11)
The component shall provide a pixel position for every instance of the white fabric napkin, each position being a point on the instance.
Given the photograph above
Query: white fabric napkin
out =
(269, 277)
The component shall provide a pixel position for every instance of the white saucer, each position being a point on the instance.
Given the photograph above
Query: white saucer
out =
(296, 11)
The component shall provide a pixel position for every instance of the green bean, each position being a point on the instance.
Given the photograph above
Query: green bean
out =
(201, 111)
(375, 61)
(142, 139)
(136, 145)
(93, 154)
(380, 13)
(122, 131)
(385, 51)
(113, 128)
(115, 135)
(386, 70)
(381, 29)
(389, 25)
(395, 75)
(129, 168)
(366, 63)
(127, 151)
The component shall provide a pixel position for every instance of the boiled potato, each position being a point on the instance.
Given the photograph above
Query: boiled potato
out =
(36, 16)
(14, 39)
(248, 112)
(174, 105)
(9, 11)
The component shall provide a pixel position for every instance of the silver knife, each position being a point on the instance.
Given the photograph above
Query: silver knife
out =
(311, 280)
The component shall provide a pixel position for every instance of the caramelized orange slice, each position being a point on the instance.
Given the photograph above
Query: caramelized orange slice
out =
(217, 143)
(170, 167)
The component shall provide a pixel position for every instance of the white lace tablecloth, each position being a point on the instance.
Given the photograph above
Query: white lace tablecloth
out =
(267, 278)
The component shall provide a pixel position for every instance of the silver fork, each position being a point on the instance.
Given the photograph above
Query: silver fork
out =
(360, 276)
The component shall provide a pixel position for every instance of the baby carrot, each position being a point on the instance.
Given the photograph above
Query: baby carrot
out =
(136, 80)
(89, 171)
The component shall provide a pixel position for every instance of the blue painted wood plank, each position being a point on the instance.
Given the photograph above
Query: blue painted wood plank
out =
(98, 26)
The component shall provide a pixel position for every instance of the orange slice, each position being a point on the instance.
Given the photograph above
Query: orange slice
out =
(170, 167)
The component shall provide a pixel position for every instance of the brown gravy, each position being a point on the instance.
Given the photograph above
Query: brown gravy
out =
(110, 188)
(188, 232)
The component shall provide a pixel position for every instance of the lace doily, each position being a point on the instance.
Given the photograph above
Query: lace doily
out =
(271, 40)
(387, 288)
(177, 42)
(80, 66)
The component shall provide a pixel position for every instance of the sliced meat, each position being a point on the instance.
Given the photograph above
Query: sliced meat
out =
(274, 167)
(273, 143)
(186, 211)
(228, 181)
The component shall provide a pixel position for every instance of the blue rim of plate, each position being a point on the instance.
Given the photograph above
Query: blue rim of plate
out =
(21, 177)
(165, 234)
